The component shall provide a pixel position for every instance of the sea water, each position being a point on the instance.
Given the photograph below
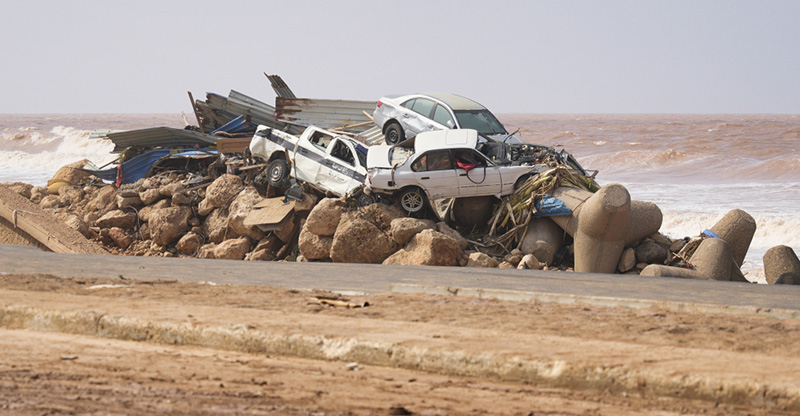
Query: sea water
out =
(695, 168)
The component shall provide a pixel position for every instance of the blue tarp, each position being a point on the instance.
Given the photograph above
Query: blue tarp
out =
(550, 206)
(137, 167)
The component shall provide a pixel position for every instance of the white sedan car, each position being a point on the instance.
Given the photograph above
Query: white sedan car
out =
(444, 164)
(402, 117)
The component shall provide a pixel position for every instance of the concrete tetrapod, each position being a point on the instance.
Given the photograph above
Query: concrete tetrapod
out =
(602, 227)
(645, 218)
(542, 238)
(737, 229)
(711, 261)
(780, 260)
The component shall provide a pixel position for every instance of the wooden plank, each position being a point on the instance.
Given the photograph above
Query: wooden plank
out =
(270, 211)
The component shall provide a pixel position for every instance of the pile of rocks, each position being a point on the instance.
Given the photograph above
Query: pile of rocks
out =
(169, 215)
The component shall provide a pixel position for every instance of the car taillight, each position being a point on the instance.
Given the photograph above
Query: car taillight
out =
(380, 103)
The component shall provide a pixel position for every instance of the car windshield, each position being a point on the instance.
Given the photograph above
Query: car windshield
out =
(481, 120)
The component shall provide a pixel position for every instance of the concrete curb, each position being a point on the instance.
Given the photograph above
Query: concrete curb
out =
(555, 373)
(523, 296)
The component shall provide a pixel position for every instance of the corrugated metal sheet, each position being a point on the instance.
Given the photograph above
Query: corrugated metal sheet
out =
(280, 87)
(328, 114)
(371, 136)
(218, 110)
(157, 136)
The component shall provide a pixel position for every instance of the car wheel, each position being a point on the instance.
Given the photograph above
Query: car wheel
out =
(521, 180)
(393, 134)
(412, 200)
(277, 172)
(364, 199)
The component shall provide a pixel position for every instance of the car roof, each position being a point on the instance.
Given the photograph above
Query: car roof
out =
(456, 102)
(445, 139)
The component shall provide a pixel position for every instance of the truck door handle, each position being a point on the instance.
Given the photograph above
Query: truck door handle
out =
(425, 177)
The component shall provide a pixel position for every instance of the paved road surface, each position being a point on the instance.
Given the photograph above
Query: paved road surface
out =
(778, 300)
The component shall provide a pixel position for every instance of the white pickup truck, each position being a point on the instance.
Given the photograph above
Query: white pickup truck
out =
(326, 160)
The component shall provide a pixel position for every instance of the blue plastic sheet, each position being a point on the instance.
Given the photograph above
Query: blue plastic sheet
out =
(550, 206)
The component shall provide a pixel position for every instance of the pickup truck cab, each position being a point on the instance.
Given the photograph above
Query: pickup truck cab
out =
(328, 161)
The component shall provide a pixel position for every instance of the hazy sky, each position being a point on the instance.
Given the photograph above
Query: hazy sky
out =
(100, 56)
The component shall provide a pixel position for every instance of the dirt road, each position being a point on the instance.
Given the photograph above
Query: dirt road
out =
(206, 349)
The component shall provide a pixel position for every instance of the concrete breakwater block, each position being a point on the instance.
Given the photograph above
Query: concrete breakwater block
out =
(603, 223)
(778, 261)
(737, 229)
(542, 238)
(711, 261)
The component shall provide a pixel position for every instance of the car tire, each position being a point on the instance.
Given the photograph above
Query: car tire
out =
(393, 134)
(521, 180)
(412, 200)
(364, 199)
(277, 172)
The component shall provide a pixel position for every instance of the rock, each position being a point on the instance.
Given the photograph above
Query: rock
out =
(180, 198)
(216, 226)
(478, 259)
(75, 222)
(269, 242)
(206, 251)
(404, 228)
(144, 213)
(286, 229)
(233, 249)
(190, 243)
(204, 208)
(239, 208)
(506, 265)
(359, 241)
(149, 196)
(104, 200)
(428, 247)
(627, 260)
(473, 211)
(677, 245)
(223, 190)
(169, 190)
(117, 218)
(661, 240)
(313, 246)
(70, 195)
(71, 173)
(381, 215)
(167, 224)
(446, 230)
(514, 259)
(37, 193)
(120, 237)
(306, 204)
(50, 201)
(129, 201)
(23, 189)
(651, 252)
(788, 279)
(529, 261)
(260, 255)
(325, 217)
(779, 260)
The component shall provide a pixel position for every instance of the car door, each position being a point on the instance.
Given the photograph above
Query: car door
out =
(434, 171)
(338, 171)
(419, 119)
(477, 176)
(309, 154)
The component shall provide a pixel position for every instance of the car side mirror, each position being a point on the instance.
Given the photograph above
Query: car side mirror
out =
(450, 124)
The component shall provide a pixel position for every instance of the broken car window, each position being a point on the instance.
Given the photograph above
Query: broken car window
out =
(343, 153)
(433, 160)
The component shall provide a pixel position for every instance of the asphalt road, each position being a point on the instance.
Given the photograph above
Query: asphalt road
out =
(368, 278)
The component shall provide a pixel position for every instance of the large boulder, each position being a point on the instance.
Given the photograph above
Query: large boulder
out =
(75, 222)
(360, 241)
(405, 228)
(167, 224)
(313, 246)
(446, 230)
(104, 200)
(121, 238)
(117, 218)
(651, 252)
(233, 249)
(240, 207)
(71, 173)
(430, 248)
(223, 190)
(150, 196)
(190, 243)
(23, 189)
(216, 227)
(325, 217)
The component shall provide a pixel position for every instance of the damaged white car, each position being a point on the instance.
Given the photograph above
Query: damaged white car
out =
(325, 160)
(444, 164)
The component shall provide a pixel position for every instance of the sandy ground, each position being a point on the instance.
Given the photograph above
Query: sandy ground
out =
(57, 373)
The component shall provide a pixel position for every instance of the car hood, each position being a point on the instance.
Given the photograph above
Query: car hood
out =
(378, 156)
